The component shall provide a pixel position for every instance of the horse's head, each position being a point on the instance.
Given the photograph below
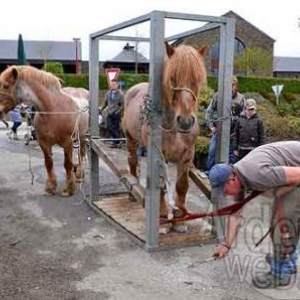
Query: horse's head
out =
(7, 103)
(23, 83)
(184, 76)
(11, 85)
(8, 79)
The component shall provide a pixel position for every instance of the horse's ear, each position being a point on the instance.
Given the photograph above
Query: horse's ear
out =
(169, 49)
(203, 50)
(14, 73)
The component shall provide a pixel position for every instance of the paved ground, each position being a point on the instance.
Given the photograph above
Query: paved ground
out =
(54, 248)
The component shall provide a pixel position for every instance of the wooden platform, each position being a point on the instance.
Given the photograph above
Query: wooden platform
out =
(130, 215)
(126, 211)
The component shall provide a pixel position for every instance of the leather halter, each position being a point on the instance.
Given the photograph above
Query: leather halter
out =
(185, 89)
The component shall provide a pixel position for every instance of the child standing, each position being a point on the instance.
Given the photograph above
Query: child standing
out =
(249, 131)
(16, 118)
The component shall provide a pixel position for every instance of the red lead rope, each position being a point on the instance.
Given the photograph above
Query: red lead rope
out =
(227, 210)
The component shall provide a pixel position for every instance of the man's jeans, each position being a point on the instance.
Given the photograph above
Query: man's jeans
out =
(113, 126)
(212, 152)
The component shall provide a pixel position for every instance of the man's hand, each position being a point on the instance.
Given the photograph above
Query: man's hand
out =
(213, 129)
(236, 153)
(221, 251)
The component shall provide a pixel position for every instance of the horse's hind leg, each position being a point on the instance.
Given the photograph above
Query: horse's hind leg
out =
(79, 170)
(132, 154)
(51, 182)
(69, 187)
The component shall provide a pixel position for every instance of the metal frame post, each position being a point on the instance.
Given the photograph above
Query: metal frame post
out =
(157, 51)
(224, 111)
(94, 129)
(225, 89)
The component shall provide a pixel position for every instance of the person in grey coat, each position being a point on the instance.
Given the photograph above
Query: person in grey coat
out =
(114, 101)
(237, 107)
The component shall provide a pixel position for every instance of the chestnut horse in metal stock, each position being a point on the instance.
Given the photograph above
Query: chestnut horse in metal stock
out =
(61, 118)
(184, 75)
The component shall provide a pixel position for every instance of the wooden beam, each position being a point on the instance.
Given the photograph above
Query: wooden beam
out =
(201, 180)
(118, 164)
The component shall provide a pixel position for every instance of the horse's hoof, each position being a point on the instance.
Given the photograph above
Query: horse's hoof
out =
(179, 212)
(205, 228)
(48, 192)
(50, 187)
(79, 176)
(180, 228)
(164, 229)
(67, 193)
(80, 180)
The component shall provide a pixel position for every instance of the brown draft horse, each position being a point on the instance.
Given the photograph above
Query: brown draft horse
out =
(61, 117)
(184, 75)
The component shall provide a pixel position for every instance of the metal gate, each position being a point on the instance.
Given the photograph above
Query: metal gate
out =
(148, 235)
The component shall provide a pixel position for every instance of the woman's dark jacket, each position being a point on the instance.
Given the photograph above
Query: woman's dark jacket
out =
(248, 133)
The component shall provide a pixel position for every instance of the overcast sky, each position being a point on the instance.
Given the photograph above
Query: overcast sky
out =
(62, 20)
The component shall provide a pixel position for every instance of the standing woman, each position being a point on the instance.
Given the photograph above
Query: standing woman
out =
(249, 131)
(16, 118)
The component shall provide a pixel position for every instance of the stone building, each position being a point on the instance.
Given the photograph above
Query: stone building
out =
(246, 36)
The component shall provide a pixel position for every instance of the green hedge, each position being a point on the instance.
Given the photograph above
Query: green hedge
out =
(82, 80)
(264, 85)
(246, 84)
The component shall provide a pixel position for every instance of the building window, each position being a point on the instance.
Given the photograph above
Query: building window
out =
(215, 55)
(239, 47)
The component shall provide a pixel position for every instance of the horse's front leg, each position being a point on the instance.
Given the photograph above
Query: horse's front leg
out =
(181, 189)
(51, 182)
(69, 187)
(79, 170)
(164, 212)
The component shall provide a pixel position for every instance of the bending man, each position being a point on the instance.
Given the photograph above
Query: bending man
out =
(276, 167)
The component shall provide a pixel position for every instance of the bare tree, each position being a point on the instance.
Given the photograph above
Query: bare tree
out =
(254, 62)
(46, 50)
(138, 52)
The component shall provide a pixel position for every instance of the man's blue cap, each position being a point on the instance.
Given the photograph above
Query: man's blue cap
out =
(219, 174)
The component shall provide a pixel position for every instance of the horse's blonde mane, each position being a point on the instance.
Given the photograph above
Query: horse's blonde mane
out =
(185, 68)
(47, 79)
